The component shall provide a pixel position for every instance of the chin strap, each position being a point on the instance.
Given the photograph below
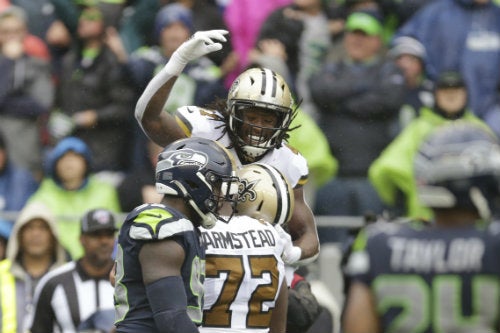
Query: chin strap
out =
(207, 220)
(252, 153)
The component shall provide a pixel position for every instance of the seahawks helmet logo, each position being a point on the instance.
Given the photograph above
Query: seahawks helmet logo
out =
(246, 190)
(184, 157)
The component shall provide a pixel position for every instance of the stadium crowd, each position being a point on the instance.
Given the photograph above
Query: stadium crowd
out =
(92, 91)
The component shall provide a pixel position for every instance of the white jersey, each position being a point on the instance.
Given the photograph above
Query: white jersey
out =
(243, 275)
(199, 122)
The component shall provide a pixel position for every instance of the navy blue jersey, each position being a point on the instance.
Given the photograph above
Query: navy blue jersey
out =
(150, 223)
(431, 279)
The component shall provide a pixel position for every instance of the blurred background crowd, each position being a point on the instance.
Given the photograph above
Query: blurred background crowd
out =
(374, 77)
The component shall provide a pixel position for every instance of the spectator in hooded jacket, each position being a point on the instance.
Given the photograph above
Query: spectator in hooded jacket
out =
(70, 188)
(464, 36)
(33, 250)
(77, 297)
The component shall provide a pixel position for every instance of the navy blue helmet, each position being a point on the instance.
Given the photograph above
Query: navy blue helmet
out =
(202, 172)
(458, 165)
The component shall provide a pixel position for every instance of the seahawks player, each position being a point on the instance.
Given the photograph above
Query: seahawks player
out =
(444, 277)
(252, 123)
(245, 286)
(160, 260)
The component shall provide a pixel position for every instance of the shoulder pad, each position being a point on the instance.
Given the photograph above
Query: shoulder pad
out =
(156, 221)
(213, 114)
(292, 148)
(192, 109)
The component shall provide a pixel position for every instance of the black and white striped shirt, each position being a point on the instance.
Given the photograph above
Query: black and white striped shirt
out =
(67, 296)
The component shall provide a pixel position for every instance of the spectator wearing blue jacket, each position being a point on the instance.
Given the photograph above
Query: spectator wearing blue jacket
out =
(464, 36)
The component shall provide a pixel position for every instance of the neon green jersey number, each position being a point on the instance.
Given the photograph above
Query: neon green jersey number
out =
(438, 307)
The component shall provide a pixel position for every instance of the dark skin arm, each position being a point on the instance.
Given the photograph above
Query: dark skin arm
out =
(302, 227)
(278, 318)
(160, 126)
(360, 314)
(161, 259)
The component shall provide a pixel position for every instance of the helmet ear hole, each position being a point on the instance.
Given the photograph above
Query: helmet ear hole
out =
(265, 193)
(210, 204)
(259, 207)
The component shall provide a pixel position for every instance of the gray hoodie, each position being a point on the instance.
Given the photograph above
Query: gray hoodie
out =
(25, 285)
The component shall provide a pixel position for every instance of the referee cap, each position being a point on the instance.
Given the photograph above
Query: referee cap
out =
(97, 220)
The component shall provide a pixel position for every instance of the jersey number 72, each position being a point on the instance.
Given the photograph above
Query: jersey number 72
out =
(236, 271)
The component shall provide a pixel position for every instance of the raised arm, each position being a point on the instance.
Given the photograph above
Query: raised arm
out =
(160, 126)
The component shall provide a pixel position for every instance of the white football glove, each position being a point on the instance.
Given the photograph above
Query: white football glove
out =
(60, 125)
(291, 254)
(200, 44)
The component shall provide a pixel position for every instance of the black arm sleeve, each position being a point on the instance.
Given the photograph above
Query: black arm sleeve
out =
(168, 301)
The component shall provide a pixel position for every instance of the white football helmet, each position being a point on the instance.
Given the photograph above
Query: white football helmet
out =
(264, 193)
(267, 90)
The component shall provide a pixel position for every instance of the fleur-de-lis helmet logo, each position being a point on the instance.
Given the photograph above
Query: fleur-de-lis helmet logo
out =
(246, 190)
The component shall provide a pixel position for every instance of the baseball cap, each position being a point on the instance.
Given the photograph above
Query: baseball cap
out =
(450, 79)
(92, 13)
(97, 220)
(365, 21)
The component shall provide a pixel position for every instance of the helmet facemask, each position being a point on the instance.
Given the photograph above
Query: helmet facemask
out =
(253, 139)
(224, 194)
(259, 90)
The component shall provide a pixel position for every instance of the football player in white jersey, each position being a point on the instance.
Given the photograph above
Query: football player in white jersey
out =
(253, 123)
(245, 286)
